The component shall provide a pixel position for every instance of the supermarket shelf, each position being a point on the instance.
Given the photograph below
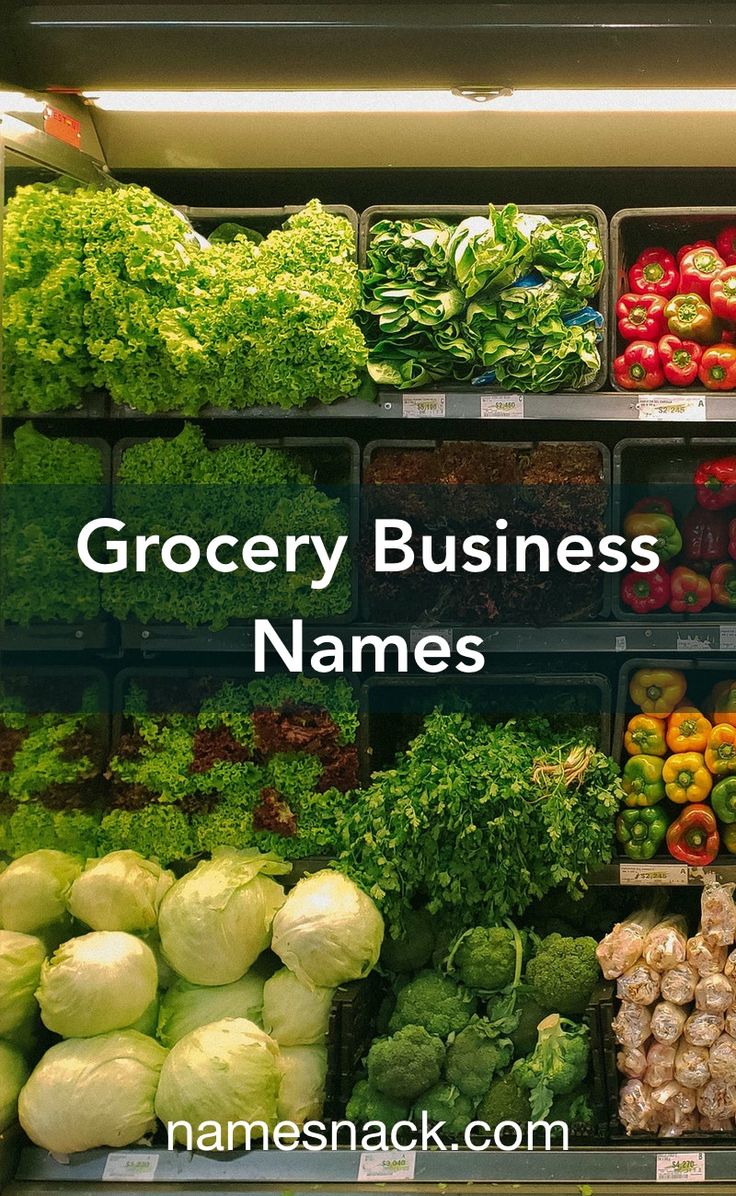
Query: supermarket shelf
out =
(561, 1171)
(662, 871)
(593, 636)
(95, 636)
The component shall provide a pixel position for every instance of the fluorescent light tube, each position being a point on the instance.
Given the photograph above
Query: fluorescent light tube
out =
(16, 101)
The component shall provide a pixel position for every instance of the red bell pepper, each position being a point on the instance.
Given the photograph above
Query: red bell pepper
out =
(639, 367)
(723, 585)
(690, 592)
(698, 268)
(717, 369)
(680, 360)
(645, 592)
(705, 534)
(723, 295)
(652, 506)
(654, 273)
(726, 244)
(693, 245)
(693, 837)
(641, 317)
(732, 539)
(715, 483)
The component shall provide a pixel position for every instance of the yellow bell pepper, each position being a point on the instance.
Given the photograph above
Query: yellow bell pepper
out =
(687, 730)
(720, 754)
(657, 691)
(724, 703)
(645, 736)
(686, 778)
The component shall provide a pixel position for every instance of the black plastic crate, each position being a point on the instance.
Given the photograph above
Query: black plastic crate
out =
(352, 1028)
(336, 464)
(662, 467)
(636, 229)
(455, 213)
(603, 609)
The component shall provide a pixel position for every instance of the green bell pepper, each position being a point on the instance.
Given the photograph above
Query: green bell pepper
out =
(641, 832)
(723, 800)
(642, 781)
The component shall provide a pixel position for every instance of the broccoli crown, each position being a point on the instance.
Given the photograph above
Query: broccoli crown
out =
(412, 950)
(368, 1104)
(487, 957)
(407, 1063)
(558, 1064)
(505, 1100)
(444, 1102)
(475, 1056)
(564, 973)
(575, 1108)
(435, 1002)
(531, 1013)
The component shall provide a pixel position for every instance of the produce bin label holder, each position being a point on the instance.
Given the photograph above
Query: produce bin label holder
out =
(381, 1166)
(674, 1168)
(423, 406)
(661, 408)
(509, 406)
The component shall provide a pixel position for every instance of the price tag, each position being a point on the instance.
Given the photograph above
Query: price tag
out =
(501, 406)
(696, 643)
(652, 874)
(660, 408)
(727, 637)
(383, 1165)
(620, 643)
(130, 1166)
(423, 406)
(681, 1168)
(419, 633)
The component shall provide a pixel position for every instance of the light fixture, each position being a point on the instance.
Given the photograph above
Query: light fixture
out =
(481, 95)
(14, 102)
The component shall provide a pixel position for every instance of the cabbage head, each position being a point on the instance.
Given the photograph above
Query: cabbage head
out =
(13, 1075)
(101, 981)
(292, 1013)
(21, 960)
(186, 1007)
(215, 921)
(89, 1092)
(226, 1071)
(34, 890)
(121, 891)
(303, 1077)
(328, 931)
(148, 1021)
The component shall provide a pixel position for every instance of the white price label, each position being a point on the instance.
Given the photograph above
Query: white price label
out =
(423, 406)
(419, 633)
(696, 643)
(383, 1165)
(620, 643)
(727, 637)
(652, 874)
(130, 1166)
(660, 408)
(501, 406)
(681, 1168)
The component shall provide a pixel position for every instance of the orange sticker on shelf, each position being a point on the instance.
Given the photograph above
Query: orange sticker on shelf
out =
(64, 128)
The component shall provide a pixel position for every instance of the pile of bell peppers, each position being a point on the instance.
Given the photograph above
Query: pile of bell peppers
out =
(680, 775)
(678, 317)
(697, 553)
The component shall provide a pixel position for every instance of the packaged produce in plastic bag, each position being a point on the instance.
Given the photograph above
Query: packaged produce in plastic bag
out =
(635, 1108)
(729, 1024)
(723, 1059)
(716, 1125)
(622, 946)
(692, 1065)
(706, 960)
(714, 994)
(677, 1129)
(632, 1062)
(678, 985)
(639, 984)
(717, 1100)
(660, 1065)
(729, 967)
(717, 913)
(668, 1022)
(666, 944)
(673, 1102)
(632, 1024)
(702, 1029)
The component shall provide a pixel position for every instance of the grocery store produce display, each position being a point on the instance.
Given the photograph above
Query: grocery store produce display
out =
(101, 1039)
(113, 289)
(677, 319)
(675, 1018)
(679, 778)
(503, 298)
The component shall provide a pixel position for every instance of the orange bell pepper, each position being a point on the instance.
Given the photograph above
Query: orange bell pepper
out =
(686, 778)
(687, 730)
(720, 754)
(645, 736)
(724, 703)
(657, 691)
